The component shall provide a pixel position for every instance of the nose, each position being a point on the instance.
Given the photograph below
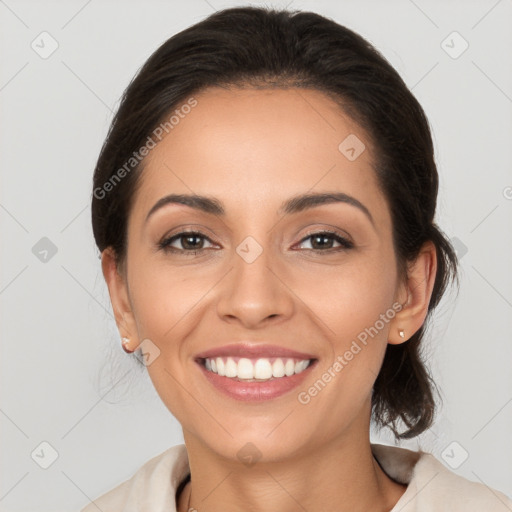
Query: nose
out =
(255, 293)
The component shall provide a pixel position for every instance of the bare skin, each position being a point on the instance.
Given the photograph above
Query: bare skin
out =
(252, 150)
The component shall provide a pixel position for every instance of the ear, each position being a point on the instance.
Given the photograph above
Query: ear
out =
(414, 295)
(119, 297)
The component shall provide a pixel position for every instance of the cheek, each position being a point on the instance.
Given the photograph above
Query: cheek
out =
(354, 304)
(163, 303)
(164, 297)
(168, 305)
(350, 298)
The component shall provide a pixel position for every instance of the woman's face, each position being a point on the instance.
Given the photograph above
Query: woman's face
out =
(264, 271)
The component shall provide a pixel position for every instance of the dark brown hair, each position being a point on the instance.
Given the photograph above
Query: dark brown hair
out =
(259, 47)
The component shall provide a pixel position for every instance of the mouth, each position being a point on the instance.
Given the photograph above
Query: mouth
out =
(246, 374)
(263, 369)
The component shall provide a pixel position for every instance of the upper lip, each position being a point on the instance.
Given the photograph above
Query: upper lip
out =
(253, 350)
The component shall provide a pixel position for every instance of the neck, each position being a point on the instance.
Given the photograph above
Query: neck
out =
(341, 475)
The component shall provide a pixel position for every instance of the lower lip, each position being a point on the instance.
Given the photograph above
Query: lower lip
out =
(256, 391)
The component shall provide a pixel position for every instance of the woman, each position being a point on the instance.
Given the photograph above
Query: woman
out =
(264, 204)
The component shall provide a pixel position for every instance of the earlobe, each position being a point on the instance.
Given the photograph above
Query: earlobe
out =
(119, 297)
(418, 286)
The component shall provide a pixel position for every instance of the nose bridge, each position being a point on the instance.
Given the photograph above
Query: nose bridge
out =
(252, 292)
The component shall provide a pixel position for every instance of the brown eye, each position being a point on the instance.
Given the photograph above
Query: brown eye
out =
(323, 241)
(191, 242)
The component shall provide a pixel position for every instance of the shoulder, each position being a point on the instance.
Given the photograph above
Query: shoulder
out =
(431, 486)
(152, 487)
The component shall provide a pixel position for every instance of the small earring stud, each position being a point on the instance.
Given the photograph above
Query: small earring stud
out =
(125, 343)
(401, 333)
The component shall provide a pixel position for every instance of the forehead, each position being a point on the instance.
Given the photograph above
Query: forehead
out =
(250, 146)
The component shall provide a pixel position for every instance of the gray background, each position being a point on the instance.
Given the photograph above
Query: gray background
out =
(64, 379)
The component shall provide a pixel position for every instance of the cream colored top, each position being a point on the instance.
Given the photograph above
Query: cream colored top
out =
(431, 487)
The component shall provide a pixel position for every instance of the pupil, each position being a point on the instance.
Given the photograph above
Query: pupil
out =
(191, 237)
(321, 237)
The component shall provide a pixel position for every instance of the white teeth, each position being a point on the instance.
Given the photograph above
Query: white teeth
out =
(230, 367)
(289, 368)
(278, 368)
(245, 369)
(301, 366)
(260, 369)
(221, 370)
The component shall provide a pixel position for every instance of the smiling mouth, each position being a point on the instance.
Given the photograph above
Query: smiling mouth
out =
(261, 369)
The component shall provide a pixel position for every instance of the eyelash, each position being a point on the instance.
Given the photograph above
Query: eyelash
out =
(165, 243)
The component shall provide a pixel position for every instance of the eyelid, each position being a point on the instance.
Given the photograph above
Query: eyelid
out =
(198, 229)
(332, 231)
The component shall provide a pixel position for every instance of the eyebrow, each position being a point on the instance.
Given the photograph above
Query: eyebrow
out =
(293, 205)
